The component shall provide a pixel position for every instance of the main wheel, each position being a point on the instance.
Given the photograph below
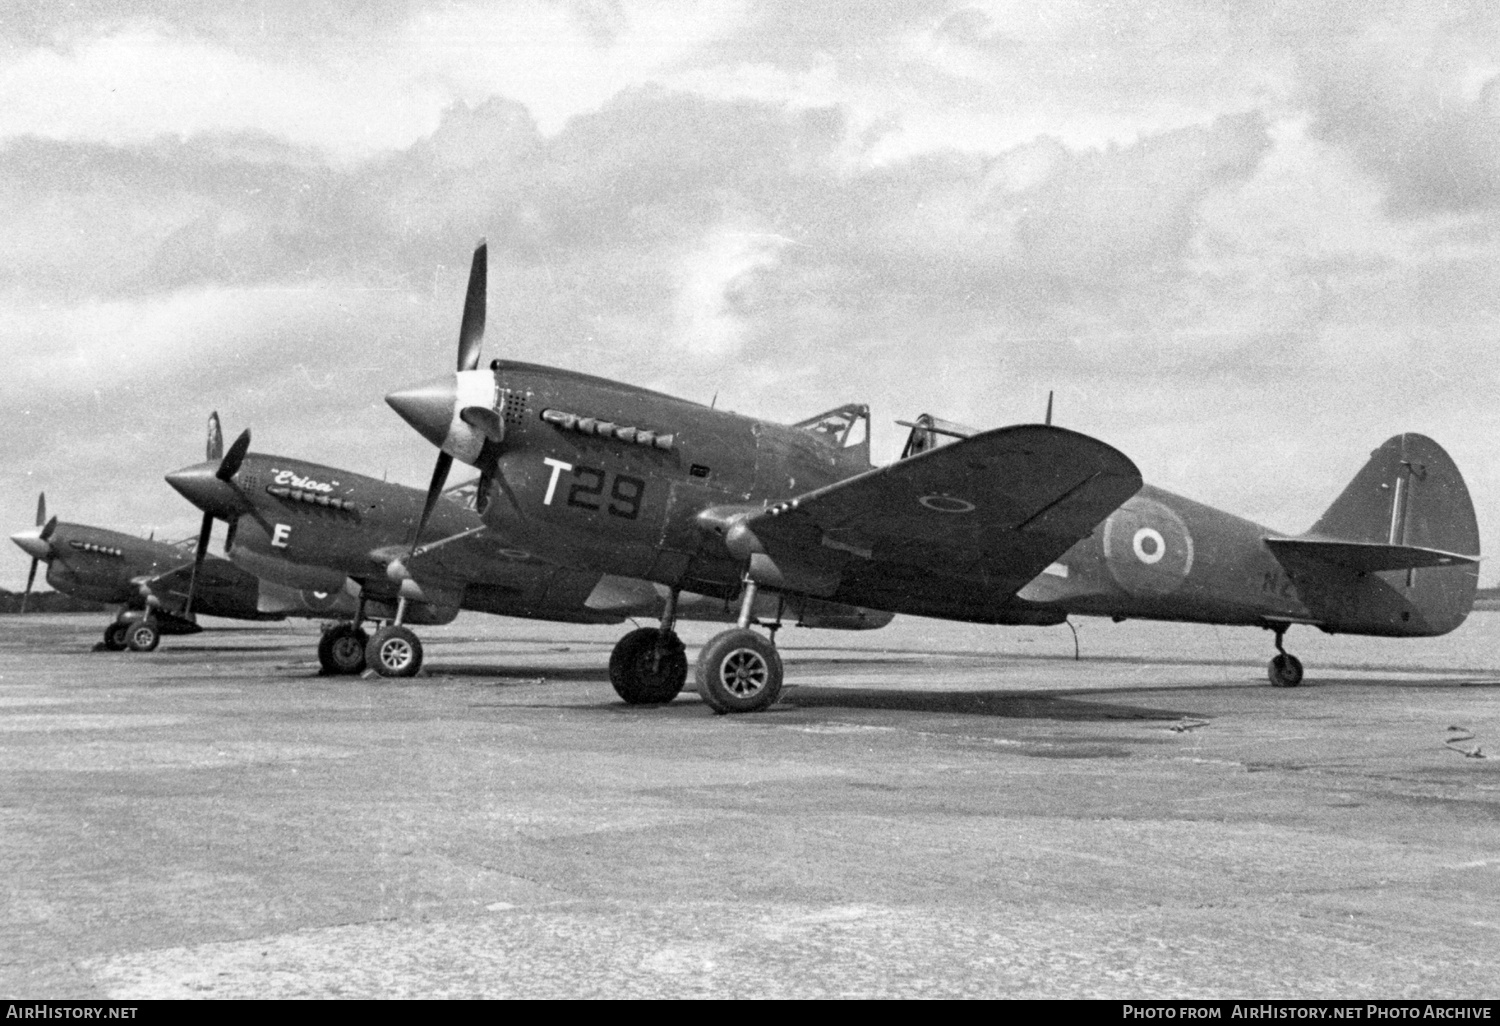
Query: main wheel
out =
(739, 671)
(142, 636)
(341, 650)
(1285, 671)
(394, 652)
(114, 636)
(647, 668)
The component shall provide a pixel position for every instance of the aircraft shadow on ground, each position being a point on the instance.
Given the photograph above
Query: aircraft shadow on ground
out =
(904, 657)
(1003, 704)
(218, 650)
(505, 673)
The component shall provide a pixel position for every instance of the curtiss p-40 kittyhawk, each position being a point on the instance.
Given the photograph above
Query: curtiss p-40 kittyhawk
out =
(160, 587)
(597, 474)
(308, 526)
(604, 476)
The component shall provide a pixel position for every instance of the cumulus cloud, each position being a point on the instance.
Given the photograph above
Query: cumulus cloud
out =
(1420, 111)
(718, 290)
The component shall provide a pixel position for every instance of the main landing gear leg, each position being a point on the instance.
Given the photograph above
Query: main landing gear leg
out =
(114, 636)
(1285, 670)
(738, 670)
(341, 650)
(393, 650)
(649, 665)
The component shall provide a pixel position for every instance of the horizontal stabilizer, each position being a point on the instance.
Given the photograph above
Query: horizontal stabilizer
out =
(1368, 557)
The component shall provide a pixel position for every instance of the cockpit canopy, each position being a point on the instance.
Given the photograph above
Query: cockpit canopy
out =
(929, 432)
(845, 427)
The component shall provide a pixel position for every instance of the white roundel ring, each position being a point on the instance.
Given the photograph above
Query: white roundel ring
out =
(946, 504)
(1149, 545)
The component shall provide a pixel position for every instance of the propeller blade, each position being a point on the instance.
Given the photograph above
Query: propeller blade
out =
(41, 508)
(202, 550)
(434, 490)
(48, 528)
(234, 525)
(471, 334)
(30, 580)
(215, 438)
(234, 457)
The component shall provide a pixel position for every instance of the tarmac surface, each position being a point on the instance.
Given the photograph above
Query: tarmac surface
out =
(931, 810)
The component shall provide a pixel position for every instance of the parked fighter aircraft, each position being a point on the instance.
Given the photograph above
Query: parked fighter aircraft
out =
(304, 525)
(603, 475)
(152, 582)
(599, 475)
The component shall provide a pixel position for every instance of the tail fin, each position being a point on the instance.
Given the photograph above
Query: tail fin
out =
(1406, 515)
(1409, 494)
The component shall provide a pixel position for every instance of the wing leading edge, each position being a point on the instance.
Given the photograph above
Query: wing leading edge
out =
(954, 531)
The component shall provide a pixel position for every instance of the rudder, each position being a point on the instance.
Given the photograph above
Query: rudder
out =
(1411, 494)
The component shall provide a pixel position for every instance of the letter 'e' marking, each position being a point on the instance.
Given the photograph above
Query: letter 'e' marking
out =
(558, 466)
(280, 535)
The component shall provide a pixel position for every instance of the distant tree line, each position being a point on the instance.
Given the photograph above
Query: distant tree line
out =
(46, 602)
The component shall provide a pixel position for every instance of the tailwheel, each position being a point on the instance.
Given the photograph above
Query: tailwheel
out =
(114, 636)
(739, 671)
(394, 652)
(142, 636)
(1285, 671)
(341, 650)
(648, 666)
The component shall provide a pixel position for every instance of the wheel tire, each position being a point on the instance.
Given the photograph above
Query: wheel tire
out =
(394, 652)
(341, 650)
(114, 636)
(639, 675)
(1285, 671)
(739, 671)
(142, 636)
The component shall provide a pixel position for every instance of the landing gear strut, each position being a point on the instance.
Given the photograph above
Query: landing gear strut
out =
(1285, 669)
(393, 650)
(649, 666)
(738, 670)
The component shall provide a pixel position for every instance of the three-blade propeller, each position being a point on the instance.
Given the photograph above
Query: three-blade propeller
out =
(470, 340)
(46, 528)
(229, 465)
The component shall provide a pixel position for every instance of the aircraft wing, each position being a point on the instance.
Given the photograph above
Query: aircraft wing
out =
(954, 531)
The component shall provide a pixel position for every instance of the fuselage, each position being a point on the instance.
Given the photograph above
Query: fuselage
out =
(575, 483)
(101, 565)
(1164, 557)
(575, 488)
(314, 526)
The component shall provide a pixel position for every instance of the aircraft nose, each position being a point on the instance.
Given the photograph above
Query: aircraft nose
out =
(32, 543)
(428, 408)
(200, 485)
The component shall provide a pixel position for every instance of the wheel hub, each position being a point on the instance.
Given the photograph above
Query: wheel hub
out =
(744, 672)
(396, 653)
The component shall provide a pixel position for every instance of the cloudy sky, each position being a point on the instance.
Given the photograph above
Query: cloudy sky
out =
(1243, 240)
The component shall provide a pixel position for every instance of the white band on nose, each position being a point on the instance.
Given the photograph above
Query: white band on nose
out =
(472, 388)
